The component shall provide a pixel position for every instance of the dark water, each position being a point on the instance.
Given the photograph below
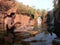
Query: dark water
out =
(39, 39)
(26, 39)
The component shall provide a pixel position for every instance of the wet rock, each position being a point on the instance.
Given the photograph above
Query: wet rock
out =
(56, 41)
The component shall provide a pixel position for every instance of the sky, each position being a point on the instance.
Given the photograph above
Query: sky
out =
(38, 4)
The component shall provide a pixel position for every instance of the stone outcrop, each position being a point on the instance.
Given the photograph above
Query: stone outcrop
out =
(6, 6)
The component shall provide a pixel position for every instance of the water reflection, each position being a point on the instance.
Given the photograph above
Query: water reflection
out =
(39, 39)
(26, 39)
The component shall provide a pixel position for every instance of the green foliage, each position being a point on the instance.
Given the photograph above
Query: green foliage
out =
(35, 17)
(43, 12)
(22, 8)
(26, 9)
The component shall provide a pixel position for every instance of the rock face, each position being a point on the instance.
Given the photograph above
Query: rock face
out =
(9, 6)
(56, 42)
(57, 18)
(6, 6)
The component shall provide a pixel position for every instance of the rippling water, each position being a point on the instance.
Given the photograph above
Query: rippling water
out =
(39, 39)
